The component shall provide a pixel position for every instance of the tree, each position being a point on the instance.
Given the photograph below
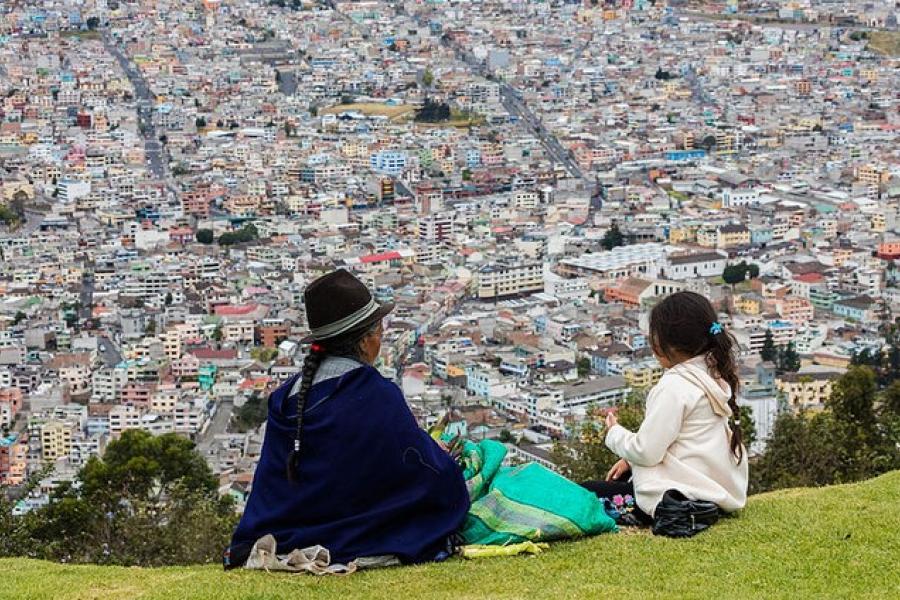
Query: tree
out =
(433, 112)
(584, 456)
(788, 359)
(734, 274)
(708, 143)
(584, 366)
(200, 122)
(251, 415)
(93, 23)
(853, 398)
(168, 299)
(769, 352)
(150, 328)
(20, 316)
(427, 78)
(748, 425)
(150, 500)
(217, 334)
(205, 236)
(613, 237)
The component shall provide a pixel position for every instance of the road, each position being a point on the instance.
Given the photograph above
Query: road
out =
(144, 98)
(217, 427)
(510, 97)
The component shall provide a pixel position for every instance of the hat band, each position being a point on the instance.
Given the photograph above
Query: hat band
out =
(345, 324)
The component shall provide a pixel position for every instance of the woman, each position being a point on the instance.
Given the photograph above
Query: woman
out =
(690, 439)
(344, 464)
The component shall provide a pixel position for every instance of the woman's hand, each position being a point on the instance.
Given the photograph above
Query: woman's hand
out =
(618, 470)
(611, 420)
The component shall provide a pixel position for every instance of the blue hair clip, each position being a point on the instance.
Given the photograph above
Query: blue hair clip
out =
(716, 328)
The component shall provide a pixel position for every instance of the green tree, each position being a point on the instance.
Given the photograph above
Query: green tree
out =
(584, 456)
(584, 366)
(251, 415)
(769, 352)
(205, 236)
(168, 299)
(20, 316)
(788, 359)
(200, 122)
(427, 78)
(613, 237)
(748, 426)
(150, 500)
(853, 398)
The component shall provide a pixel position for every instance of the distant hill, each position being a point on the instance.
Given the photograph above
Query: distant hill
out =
(834, 542)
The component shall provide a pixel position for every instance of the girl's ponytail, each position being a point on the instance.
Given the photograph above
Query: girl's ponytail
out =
(721, 360)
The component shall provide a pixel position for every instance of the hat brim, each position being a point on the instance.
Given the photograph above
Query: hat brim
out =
(382, 311)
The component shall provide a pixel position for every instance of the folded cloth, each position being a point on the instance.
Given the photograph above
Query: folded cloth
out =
(315, 560)
(482, 551)
(529, 502)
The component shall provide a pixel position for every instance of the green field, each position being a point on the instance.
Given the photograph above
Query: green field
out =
(838, 542)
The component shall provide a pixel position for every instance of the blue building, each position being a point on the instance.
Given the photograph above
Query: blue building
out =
(390, 162)
(473, 157)
(685, 154)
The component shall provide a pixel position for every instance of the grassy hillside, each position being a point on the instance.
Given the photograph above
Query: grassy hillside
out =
(833, 542)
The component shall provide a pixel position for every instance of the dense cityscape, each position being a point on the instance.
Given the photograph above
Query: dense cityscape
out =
(524, 179)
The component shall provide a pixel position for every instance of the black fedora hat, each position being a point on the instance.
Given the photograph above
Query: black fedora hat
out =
(337, 303)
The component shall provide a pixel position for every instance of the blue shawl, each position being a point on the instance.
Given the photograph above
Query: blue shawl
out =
(370, 481)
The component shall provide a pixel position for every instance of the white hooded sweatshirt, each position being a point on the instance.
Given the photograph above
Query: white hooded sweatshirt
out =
(683, 442)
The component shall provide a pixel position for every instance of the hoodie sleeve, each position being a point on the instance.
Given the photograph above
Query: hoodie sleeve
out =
(662, 422)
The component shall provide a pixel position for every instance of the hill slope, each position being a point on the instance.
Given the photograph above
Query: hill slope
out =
(840, 541)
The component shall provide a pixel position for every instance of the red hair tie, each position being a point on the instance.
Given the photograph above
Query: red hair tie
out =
(317, 348)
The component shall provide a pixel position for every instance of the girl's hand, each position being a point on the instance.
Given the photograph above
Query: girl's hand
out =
(620, 468)
(611, 420)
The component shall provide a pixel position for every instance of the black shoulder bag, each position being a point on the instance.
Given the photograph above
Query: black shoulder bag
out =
(678, 516)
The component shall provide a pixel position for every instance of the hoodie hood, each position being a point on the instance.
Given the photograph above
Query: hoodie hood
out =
(717, 391)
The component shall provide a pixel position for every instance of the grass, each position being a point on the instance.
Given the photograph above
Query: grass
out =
(836, 542)
(885, 42)
(393, 112)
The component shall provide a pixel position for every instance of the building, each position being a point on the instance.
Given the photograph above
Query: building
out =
(509, 279)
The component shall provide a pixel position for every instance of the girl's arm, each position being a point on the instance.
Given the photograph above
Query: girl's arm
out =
(662, 422)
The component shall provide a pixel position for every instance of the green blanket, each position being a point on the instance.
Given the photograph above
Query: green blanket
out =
(524, 503)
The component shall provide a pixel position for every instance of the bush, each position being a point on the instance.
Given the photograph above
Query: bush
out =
(205, 236)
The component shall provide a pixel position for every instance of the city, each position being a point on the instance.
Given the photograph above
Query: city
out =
(524, 179)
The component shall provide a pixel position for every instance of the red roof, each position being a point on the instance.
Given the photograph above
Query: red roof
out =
(809, 277)
(210, 354)
(373, 258)
(229, 310)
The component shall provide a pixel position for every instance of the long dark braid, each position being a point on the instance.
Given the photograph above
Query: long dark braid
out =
(347, 345)
(310, 365)
(682, 322)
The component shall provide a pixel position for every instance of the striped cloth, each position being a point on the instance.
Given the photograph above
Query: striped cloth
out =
(524, 503)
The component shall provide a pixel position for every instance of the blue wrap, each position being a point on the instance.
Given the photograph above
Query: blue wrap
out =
(370, 481)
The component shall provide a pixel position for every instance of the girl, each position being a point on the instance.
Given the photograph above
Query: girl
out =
(690, 439)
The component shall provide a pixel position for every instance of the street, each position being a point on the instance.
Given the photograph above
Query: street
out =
(143, 97)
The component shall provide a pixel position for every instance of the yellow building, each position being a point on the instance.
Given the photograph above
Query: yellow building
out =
(872, 175)
(806, 390)
(683, 235)
(878, 223)
(643, 375)
(749, 304)
(56, 440)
